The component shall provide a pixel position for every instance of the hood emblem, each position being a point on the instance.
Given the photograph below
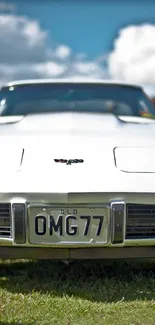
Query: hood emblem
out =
(69, 161)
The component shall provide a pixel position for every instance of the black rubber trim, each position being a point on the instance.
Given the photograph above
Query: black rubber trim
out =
(117, 216)
(19, 223)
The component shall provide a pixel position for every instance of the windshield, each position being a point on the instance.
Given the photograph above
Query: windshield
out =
(75, 97)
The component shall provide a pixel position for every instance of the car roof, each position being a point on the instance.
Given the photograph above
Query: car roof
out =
(70, 80)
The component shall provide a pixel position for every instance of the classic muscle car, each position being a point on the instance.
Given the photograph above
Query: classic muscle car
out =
(77, 170)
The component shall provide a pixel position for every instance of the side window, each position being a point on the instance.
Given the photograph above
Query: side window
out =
(123, 109)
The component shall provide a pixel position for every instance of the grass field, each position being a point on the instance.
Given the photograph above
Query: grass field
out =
(51, 293)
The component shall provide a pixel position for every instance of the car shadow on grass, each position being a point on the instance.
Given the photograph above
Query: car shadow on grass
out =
(15, 323)
(108, 281)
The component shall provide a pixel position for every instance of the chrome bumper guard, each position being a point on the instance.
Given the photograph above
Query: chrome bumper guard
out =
(20, 228)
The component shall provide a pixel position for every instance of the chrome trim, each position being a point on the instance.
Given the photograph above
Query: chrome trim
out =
(72, 206)
(72, 200)
(114, 240)
(69, 205)
(6, 241)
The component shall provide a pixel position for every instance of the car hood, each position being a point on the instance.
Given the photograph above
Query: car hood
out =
(117, 155)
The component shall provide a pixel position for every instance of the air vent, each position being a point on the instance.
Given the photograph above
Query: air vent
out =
(5, 220)
(140, 221)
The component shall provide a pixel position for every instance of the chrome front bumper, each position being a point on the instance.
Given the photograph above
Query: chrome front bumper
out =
(19, 245)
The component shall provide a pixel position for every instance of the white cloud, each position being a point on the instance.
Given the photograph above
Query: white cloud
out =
(63, 52)
(51, 68)
(149, 89)
(21, 40)
(25, 53)
(88, 68)
(133, 56)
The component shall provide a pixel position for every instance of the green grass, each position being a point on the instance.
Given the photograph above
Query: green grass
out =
(51, 293)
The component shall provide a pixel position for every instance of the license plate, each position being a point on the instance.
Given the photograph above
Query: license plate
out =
(55, 225)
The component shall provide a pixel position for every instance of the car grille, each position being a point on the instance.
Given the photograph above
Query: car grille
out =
(5, 220)
(140, 221)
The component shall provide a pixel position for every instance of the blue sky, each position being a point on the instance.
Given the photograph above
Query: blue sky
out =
(87, 26)
(45, 38)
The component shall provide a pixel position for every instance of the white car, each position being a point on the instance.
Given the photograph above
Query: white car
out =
(77, 170)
